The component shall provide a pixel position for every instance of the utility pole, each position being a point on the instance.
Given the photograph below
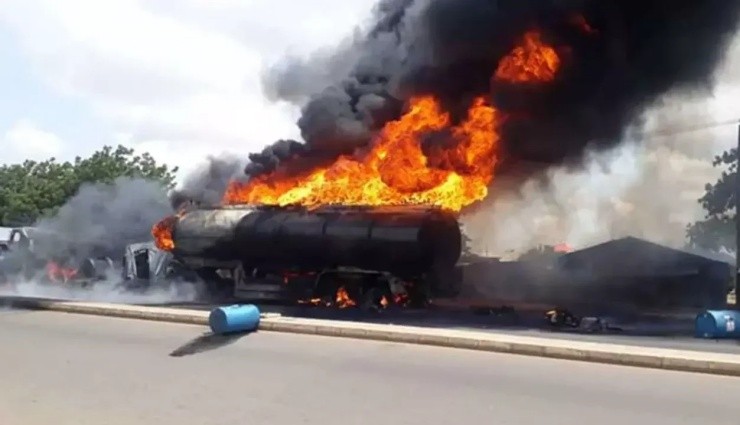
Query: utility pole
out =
(737, 222)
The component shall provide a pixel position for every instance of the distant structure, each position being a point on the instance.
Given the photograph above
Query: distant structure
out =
(628, 271)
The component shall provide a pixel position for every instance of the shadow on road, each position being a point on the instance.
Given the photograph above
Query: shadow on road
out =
(206, 342)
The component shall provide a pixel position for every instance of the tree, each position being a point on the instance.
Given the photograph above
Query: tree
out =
(34, 189)
(717, 230)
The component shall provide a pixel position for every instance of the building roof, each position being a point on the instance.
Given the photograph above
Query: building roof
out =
(631, 256)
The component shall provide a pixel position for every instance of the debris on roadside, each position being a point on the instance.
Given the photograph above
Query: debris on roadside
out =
(562, 319)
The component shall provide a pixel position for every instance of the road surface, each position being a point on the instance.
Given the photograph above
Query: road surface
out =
(61, 369)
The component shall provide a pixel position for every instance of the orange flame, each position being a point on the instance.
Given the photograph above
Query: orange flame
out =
(162, 233)
(384, 302)
(56, 272)
(562, 248)
(531, 61)
(396, 171)
(343, 300)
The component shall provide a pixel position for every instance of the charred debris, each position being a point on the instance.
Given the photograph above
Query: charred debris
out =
(31, 254)
(332, 255)
(410, 123)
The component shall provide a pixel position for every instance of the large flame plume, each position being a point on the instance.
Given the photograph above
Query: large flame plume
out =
(397, 170)
(563, 79)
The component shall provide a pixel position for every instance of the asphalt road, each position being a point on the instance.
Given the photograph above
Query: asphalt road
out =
(63, 369)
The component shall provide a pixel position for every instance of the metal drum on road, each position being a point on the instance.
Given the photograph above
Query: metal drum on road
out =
(718, 324)
(234, 318)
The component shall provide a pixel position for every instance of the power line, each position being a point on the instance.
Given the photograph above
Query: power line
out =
(689, 129)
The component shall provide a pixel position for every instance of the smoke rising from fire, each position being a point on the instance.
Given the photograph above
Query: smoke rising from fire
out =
(107, 291)
(575, 164)
(618, 57)
(101, 219)
(571, 159)
(647, 187)
(207, 183)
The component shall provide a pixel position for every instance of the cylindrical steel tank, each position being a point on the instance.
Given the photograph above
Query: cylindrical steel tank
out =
(401, 239)
(207, 233)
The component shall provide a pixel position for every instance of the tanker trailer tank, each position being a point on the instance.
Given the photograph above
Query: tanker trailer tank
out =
(409, 243)
(404, 241)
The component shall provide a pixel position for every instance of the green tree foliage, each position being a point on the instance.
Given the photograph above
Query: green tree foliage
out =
(717, 230)
(33, 189)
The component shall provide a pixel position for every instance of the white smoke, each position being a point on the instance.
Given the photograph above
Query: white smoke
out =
(100, 221)
(107, 291)
(647, 187)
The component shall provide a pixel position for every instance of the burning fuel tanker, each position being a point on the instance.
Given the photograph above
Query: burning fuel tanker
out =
(246, 245)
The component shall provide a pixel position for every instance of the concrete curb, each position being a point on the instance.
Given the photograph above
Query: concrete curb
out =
(657, 358)
(160, 314)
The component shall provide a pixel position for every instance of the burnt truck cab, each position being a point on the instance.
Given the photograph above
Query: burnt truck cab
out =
(144, 265)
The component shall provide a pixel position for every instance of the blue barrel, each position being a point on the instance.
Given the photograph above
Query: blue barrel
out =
(234, 318)
(718, 324)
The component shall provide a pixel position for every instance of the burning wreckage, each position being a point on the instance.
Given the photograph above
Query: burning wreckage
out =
(34, 255)
(343, 255)
(442, 98)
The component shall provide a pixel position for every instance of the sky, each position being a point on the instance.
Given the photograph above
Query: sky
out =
(177, 78)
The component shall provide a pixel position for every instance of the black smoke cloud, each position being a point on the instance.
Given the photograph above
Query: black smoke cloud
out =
(207, 184)
(640, 50)
(272, 155)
